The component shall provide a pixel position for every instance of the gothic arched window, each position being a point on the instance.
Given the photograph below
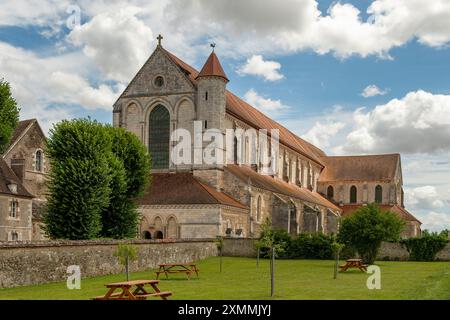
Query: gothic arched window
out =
(258, 209)
(159, 137)
(38, 161)
(330, 192)
(378, 194)
(235, 150)
(353, 194)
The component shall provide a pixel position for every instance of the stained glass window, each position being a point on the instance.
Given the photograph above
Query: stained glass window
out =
(159, 136)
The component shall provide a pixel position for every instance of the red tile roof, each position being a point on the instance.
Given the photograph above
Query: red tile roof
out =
(7, 177)
(360, 168)
(212, 67)
(266, 182)
(255, 118)
(349, 209)
(183, 188)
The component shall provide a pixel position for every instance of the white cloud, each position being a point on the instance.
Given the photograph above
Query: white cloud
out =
(257, 66)
(47, 88)
(372, 90)
(321, 134)
(434, 221)
(265, 105)
(417, 123)
(425, 197)
(118, 43)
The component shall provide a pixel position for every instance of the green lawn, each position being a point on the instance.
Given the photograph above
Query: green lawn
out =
(295, 279)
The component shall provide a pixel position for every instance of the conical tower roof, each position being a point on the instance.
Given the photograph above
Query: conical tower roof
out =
(212, 67)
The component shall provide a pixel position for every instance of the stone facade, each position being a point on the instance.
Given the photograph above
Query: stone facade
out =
(17, 226)
(43, 262)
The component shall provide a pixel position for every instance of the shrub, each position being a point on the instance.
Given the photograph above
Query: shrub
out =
(367, 228)
(311, 246)
(427, 246)
(281, 239)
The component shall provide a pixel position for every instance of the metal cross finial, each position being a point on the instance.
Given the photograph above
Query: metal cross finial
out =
(212, 45)
(159, 37)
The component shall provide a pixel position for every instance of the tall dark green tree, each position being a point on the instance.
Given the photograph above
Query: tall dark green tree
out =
(130, 168)
(79, 152)
(367, 228)
(9, 115)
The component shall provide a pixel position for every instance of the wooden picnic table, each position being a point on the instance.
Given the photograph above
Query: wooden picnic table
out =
(354, 263)
(126, 291)
(188, 268)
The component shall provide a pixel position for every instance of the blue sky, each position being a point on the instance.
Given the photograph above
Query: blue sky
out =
(305, 63)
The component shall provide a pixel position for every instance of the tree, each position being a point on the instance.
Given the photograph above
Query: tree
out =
(367, 228)
(268, 241)
(130, 167)
(427, 246)
(126, 253)
(80, 177)
(337, 247)
(9, 115)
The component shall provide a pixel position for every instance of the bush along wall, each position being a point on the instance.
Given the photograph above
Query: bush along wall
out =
(427, 246)
(303, 246)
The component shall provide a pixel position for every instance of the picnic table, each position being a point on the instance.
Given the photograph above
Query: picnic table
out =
(126, 291)
(188, 268)
(354, 263)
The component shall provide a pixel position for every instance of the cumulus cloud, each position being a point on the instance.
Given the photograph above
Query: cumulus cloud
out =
(372, 90)
(322, 133)
(46, 88)
(256, 65)
(425, 197)
(266, 105)
(118, 43)
(417, 123)
(435, 221)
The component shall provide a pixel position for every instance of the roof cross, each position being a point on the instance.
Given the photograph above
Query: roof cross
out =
(159, 37)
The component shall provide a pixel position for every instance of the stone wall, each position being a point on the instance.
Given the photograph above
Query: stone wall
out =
(239, 247)
(43, 262)
(395, 251)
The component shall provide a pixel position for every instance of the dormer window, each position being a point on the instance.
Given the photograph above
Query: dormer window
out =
(12, 186)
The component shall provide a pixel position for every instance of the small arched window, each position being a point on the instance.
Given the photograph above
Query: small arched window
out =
(330, 192)
(353, 194)
(235, 150)
(14, 236)
(378, 194)
(38, 161)
(258, 209)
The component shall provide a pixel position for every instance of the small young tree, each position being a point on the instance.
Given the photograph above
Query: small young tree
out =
(219, 245)
(126, 253)
(367, 228)
(9, 115)
(267, 240)
(337, 247)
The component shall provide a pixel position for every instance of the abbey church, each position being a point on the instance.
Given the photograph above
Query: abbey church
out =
(308, 192)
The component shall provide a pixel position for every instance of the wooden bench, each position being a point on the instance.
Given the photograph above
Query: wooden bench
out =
(187, 268)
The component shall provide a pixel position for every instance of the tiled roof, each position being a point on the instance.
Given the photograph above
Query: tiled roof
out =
(212, 67)
(349, 209)
(255, 118)
(360, 168)
(266, 182)
(19, 130)
(7, 176)
(183, 188)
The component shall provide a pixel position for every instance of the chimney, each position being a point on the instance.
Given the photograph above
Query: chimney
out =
(18, 166)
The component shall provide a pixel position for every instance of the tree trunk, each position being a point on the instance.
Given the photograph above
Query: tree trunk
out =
(257, 258)
(220, 257)
(272, 272)
(336, 263)
(127, 269)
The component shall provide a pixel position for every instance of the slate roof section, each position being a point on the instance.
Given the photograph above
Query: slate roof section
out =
(266, 182)
(183, 188)
(243, 111)
(7, 176)
(402, 212)
(360, 168)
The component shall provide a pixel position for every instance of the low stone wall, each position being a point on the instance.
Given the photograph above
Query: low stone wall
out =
(43, 262)
(242, 247)
(395, 251)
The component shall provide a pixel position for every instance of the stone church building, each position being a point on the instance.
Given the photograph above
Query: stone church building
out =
(308, 192)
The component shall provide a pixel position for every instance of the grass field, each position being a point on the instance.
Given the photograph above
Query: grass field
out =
(295, 279)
